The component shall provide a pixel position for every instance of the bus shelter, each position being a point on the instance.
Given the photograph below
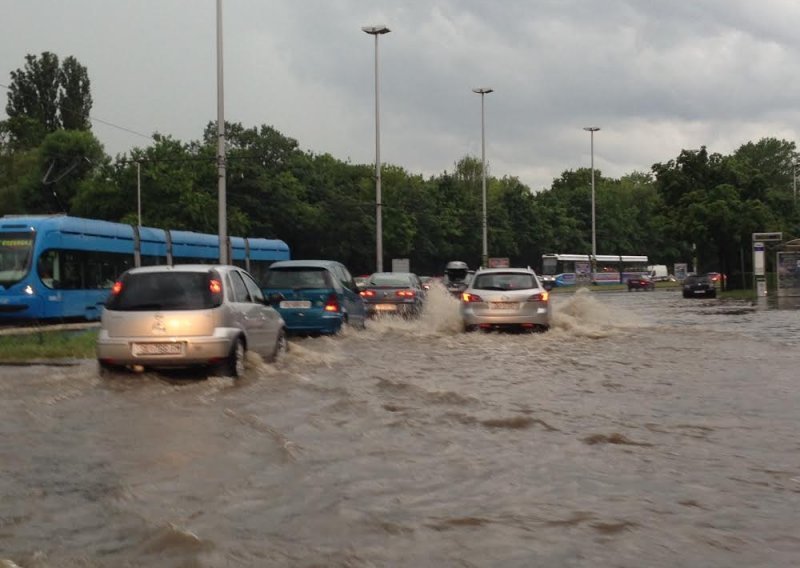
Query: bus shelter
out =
(788, 269)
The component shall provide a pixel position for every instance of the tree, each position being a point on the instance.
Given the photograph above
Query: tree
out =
(44, 97)
(74, 97)
(64, 161)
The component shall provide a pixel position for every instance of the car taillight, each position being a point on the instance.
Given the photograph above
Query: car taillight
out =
(367, 293)
(116, 288)
(332, 304)
(215, 286)
(540, 297)
(468, 298)
(405, 293)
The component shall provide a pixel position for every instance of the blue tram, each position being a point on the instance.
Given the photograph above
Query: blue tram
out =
(62, 267)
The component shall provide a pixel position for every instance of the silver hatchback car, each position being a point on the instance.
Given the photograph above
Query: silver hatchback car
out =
(187, 316)
(506, 298)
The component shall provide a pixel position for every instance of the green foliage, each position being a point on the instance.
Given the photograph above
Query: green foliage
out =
(326, 208)
(48, 345)
(46, 96)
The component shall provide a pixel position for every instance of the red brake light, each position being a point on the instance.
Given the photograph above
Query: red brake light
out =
(367, 293)
(405, 293)
(540, 297)
(467, 297)
(215, 286)
(332, 304)
(116, 288)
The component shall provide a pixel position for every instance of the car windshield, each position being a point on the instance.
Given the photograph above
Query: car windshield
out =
(15, 254)
(173, 290)
(504, 281)
(456, 275)
(297, 278)
(696, 280)
(389, 280)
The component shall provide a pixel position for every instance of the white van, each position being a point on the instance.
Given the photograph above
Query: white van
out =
(658, 272)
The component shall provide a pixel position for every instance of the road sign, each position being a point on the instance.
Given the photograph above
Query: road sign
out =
(401, 265)
(758, 259)
(767, 237)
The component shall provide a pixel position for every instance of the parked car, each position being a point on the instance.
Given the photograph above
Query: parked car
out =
(716, 277)
(186, 316)
(500, 298)
(316, 296)
(642, 282)
(699, 285)
(400, 293)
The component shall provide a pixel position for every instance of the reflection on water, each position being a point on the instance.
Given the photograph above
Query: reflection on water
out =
(643, 429)
(779, 302)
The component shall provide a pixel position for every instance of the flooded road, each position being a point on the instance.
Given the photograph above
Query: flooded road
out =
(642, 430)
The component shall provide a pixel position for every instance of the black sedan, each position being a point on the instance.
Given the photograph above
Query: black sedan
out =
(699, 285)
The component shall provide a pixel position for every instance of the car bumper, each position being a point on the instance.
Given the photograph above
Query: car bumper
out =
(195, 351)
(490, 318)
(311, 321)
(392, 309)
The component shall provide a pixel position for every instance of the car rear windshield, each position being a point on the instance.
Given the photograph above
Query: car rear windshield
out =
(298, 278)
(505, 281)
(389, 280)
(165, 291)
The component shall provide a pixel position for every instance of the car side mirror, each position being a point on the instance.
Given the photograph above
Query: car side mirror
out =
(275, 298)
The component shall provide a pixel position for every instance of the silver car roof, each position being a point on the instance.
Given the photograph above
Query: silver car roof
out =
(181, 268)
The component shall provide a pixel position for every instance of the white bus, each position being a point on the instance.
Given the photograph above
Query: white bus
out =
(570, 269)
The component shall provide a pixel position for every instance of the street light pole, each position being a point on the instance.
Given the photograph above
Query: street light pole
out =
(377, 31)
(482, 91)
(139, 192)
(592, 130)
(223, 214)
(794, 179)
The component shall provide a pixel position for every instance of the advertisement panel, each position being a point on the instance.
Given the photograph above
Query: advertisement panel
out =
(681, 270)
(789, 273)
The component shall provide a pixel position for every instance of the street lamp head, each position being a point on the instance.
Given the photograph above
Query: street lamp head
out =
(591, 128)
(376, 30)
(483, 90)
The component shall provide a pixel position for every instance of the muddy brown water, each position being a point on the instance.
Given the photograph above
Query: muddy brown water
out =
(642, 430)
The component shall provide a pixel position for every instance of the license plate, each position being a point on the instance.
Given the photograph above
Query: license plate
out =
(302, 304)
(503, 305)
(157, 348)
(385, 307)
(699, 291)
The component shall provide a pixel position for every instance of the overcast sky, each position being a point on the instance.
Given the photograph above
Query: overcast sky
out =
(656, 77)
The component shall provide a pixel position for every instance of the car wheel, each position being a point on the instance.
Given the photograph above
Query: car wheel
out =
(630, 288)
(470, 328)
(233, 366)
(712, 294)
(281, 346)
(685, 295)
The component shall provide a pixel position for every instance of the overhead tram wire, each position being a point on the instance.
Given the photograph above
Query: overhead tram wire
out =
(151, 137)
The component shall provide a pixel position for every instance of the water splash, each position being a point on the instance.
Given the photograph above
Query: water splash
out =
(584, 315)
(440, 316)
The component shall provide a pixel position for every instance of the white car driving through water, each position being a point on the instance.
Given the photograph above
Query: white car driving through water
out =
(505, 298)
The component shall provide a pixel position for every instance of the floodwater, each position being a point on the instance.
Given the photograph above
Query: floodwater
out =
(642, 430)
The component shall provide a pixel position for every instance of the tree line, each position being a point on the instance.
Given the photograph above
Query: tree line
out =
(700, 204)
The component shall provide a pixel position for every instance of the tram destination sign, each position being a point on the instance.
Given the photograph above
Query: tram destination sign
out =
(767, 237)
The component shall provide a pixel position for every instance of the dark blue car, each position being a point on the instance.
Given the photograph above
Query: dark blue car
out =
(318, 296)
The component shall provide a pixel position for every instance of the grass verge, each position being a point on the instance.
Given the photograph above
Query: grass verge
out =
(48, 345)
